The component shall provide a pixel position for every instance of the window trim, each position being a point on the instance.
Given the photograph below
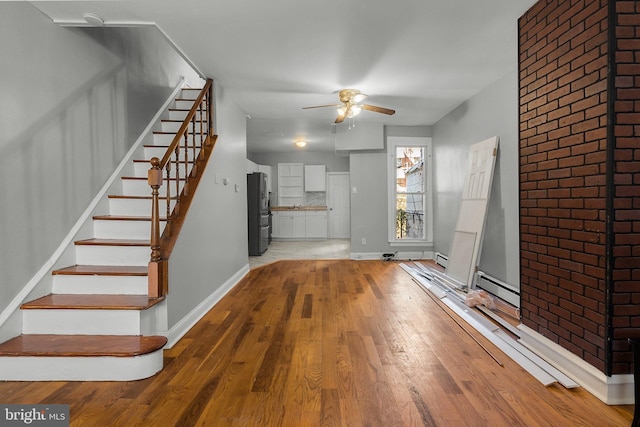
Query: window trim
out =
(403, 141)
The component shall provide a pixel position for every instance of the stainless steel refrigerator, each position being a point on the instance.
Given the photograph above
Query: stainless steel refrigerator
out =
(258, 213)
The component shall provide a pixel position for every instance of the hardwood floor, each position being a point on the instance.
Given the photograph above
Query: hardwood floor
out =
(326, 343)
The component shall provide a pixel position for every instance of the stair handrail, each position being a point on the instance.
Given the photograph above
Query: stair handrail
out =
(178, 153)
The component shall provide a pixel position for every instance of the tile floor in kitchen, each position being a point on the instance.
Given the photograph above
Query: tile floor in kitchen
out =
(303, 249)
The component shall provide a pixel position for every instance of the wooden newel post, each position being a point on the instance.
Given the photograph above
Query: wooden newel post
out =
(157, 267)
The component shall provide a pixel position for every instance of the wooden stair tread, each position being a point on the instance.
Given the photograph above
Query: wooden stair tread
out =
(41, 345)
(120, 196)
(162, 132)
(112, 242)
(147, 161)
(144, 178)
(92, 302)
(125, 218)
(103, 270)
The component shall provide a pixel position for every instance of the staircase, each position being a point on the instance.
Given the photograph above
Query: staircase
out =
(99, 322)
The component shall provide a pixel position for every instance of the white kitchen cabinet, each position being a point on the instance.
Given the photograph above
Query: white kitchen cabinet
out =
(315, 178)
(316, 224)
(291, 225)
(275, 224)
(290, 184)
(290, 169)
(299, 224)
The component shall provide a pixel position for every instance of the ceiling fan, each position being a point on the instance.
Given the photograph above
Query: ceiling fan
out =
(350, 105)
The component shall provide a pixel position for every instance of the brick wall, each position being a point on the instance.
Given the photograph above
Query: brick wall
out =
(563, 58)
(626, 178)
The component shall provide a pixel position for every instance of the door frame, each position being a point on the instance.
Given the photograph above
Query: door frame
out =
(329, 216)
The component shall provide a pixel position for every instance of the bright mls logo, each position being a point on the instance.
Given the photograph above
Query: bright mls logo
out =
(34, 415)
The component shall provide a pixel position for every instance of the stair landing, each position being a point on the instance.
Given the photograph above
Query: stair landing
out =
(44, 357)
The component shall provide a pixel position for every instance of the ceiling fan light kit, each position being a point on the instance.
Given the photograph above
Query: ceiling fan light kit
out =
(350, 105)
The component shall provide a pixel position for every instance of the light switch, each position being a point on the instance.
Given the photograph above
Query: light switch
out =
(354, 190)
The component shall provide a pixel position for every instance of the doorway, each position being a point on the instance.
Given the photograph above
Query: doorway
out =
(338, 205)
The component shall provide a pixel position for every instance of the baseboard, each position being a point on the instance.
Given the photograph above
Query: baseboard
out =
(187, 322)
(614, 390)
(400, 256)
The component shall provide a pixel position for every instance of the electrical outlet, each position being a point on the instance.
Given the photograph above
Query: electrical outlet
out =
(364, 240)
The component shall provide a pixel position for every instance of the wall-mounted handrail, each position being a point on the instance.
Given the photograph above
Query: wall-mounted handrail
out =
(174, 179)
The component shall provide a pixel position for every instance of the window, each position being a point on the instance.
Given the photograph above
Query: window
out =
(409, 172)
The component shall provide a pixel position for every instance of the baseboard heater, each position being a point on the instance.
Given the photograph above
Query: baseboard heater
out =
(441, 260)
(498, 288)
(490, 284)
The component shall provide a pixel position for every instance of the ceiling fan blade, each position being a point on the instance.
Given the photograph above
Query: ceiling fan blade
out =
(322, 106)
(339, 119)
(378, 109)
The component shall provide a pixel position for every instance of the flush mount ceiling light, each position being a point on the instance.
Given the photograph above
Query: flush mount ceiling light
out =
(93, 20)
(300, 143)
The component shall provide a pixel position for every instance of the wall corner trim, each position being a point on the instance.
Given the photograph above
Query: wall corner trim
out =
(613, 390)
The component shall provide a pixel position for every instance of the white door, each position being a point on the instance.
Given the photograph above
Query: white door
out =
(467, 236)
(339, 205)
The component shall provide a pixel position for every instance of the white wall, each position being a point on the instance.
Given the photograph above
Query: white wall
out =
(72, 102)
(213, 243)
(369, 208)
(494, 111)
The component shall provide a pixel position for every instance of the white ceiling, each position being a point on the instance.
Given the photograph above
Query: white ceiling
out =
(422, 58)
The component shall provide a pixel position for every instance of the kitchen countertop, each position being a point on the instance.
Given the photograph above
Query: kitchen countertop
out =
(298, 208)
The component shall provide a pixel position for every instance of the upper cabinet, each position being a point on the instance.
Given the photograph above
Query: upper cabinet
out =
(315, 178)
(290, 188)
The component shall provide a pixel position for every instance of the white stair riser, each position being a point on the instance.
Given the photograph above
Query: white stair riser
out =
(112, 255)
(182, 104)
(102, 285)
(135, 207)
(123, 229)
(102, 368)
(163, 139)
(182, 114)
(151, 151)
(175, 127)
(87, 322)
(166, 139)
(141, 169)
(189, 93)
(140, 187)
